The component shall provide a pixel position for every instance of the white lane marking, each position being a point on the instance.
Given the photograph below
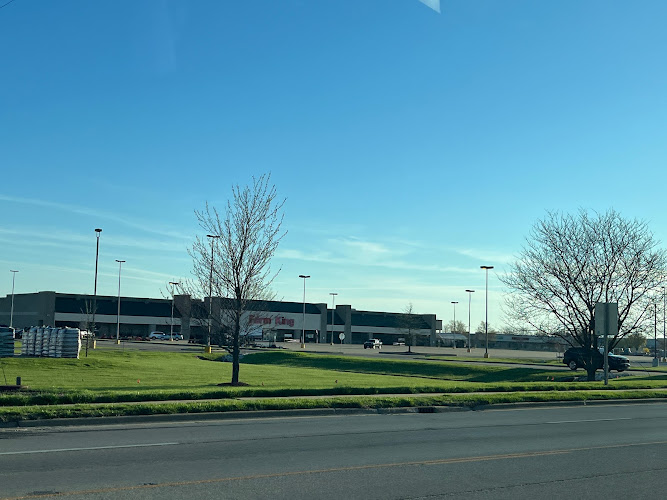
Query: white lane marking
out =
(59, 450)
(589, 420)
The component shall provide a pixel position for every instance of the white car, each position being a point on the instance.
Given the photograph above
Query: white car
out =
(372, 344)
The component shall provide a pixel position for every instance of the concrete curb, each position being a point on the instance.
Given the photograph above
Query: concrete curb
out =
(231, 415)
(307, 412)
(584, 402)
(173, 417)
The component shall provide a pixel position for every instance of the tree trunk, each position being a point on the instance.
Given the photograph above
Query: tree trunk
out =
(590, 370)
(235, 350)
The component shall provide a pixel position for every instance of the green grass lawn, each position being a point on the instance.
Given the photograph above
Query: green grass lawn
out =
(138, 371)
(522, 361)
(136, 376)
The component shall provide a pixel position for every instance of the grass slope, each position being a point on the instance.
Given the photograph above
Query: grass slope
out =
(112, 379)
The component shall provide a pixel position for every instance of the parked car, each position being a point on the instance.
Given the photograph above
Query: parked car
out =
(157, 336)
(173, 336)
(372, 344)
(574, 358)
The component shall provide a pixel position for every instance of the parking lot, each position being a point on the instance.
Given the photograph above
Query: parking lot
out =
(637, 363)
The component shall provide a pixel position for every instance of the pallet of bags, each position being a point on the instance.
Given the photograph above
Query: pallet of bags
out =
(71, 343)
(28, 348)
(24, 344)
(46, 338)
(58, 353)
(6, 342)
(53, 337)
(39, 336)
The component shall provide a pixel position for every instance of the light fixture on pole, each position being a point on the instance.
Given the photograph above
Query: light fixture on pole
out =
(210, 295)
(333, 305)
(120, 263)
(11, 314)
(303, 322)
(97, 254)
(171, 327)
(486, 321)
(470, 292)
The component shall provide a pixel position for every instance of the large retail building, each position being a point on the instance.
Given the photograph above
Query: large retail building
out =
(269, 320)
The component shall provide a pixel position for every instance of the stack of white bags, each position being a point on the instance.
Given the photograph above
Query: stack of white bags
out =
(52, 342)
(6, 342)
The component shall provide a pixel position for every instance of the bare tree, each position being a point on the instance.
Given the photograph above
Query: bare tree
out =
(481, 328)
(481, 332)
(458, 327)
(86, 324)
(571, 262)
(511, 329)
(236, 263)
(634, 341)
(409, 323)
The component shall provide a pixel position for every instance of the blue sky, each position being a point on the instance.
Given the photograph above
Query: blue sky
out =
(412, 146)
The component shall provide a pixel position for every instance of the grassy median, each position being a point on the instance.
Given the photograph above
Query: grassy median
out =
(134, 382)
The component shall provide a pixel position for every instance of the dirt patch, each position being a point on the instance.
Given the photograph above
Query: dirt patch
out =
(12, 388)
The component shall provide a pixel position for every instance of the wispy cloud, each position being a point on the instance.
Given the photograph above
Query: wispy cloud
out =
(368, 249)
(294, 254)
(433, 4)
(87, 211)
(486, 255)
(63, 238)
(389, 262)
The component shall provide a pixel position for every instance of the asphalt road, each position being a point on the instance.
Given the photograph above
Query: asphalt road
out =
(590, 452)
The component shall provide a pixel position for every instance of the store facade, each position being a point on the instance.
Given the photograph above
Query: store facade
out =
(266, 320)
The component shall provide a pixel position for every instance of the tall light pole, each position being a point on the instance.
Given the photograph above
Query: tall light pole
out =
(655, 334)
(454, 324)
(171, 327)
(333, 305)
(486, 321)
(210, 295)
(120, 263)
(470, 292)
(303, 323)
(97, 254)
(11, 314)
(664, 343)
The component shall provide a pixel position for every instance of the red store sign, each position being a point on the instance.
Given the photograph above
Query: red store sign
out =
(278, 320)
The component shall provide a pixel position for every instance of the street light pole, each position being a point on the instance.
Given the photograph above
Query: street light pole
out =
(470, 292)
(171, 327)
(655, 334)
(120, 263)
(11, 314)
(333, 305)
(486, 321)
(210, 295)
(97, 254)
(454, 324)
(303, 322)
(664, 343)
